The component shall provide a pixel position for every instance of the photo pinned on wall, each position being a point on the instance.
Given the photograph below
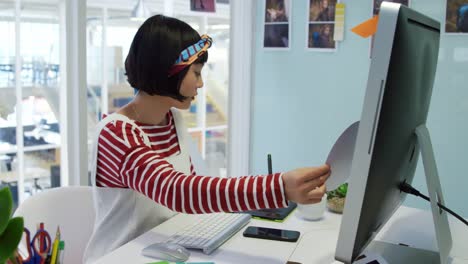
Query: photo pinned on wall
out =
(321, 36)
(377, 3)
(322, 10)
(277, 27)
(456, 18)
(208, 6)
(321, 25)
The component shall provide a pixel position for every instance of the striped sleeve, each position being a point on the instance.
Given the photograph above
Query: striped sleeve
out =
(192, 168)
(139, 167)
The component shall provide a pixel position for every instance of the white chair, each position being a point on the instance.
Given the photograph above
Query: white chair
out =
(71, 208)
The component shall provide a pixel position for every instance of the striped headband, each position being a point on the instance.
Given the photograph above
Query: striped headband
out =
(190, 54)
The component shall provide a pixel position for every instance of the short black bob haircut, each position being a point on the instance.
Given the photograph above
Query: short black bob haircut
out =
(154, 49)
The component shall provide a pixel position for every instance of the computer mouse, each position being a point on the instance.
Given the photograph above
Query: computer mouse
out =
(166, 251)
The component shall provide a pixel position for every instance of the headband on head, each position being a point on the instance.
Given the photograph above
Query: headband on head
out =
(190, 54)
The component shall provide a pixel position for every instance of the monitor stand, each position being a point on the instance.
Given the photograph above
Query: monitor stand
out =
(393, 253)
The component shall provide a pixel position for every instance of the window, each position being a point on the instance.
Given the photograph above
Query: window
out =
(29, 109)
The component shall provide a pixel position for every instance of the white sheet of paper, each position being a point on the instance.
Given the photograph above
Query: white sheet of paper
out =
(341, 157)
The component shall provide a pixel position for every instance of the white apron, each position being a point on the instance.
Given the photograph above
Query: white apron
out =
(124, 214)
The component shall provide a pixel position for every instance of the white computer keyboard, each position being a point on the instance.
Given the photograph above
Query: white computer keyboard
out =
(210, 231)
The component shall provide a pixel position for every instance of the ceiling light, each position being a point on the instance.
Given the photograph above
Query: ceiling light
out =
(140, 12)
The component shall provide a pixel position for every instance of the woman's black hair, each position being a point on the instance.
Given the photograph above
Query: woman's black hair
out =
(154, 49)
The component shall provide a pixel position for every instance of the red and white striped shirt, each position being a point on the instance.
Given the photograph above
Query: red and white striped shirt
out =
(124, 161)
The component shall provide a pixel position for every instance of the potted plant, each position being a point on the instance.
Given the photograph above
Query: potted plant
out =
(11, 229)
(336, 198)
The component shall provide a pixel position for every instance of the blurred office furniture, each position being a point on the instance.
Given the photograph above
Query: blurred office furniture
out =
(35, 71)
(55, 176)
(41, 152)
(13, 186)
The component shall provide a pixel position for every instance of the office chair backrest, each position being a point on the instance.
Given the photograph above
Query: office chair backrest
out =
(71, 208)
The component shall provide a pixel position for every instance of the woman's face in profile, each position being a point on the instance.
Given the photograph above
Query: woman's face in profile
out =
(189, 86)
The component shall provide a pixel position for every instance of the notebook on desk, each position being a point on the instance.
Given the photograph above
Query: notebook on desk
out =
(277, 215)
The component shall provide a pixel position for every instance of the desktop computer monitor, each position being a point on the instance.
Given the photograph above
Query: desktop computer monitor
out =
(401, 77)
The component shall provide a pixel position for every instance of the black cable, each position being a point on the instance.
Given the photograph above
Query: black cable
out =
(405, 187)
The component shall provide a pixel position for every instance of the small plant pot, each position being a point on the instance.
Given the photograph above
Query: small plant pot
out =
(336, 204)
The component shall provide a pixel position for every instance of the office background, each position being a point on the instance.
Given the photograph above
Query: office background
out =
(302, 100)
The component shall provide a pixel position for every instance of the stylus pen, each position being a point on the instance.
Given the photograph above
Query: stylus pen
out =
(270, 169)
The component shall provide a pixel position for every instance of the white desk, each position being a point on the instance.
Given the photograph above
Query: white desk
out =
(316, 245)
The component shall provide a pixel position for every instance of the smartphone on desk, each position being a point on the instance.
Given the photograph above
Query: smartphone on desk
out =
(272, 233)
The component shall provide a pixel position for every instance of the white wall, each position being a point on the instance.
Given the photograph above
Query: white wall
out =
(303, 100)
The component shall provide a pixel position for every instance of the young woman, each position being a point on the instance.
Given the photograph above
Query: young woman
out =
(326, 12)
(143, 173)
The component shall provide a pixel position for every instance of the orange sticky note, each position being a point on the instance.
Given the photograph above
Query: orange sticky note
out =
(367, 28)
